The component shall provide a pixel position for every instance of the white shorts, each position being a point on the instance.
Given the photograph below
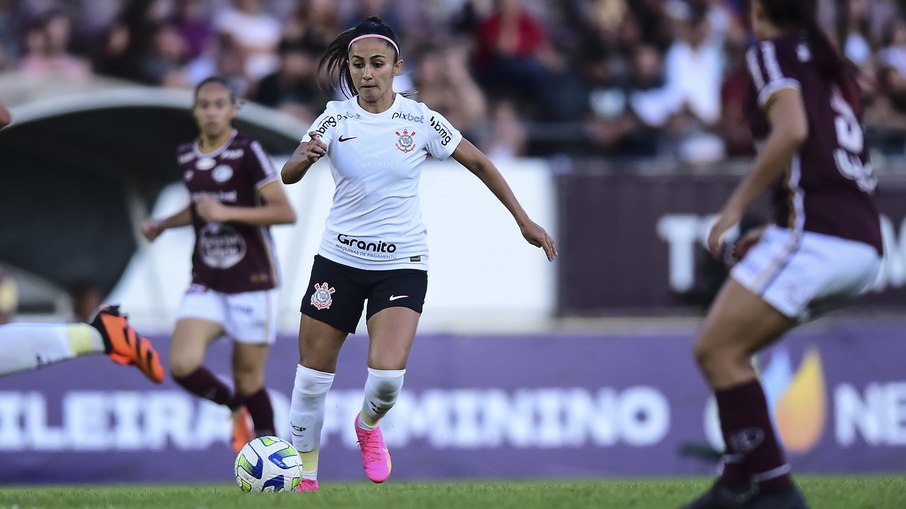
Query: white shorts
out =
(249, 317)
(807, 274)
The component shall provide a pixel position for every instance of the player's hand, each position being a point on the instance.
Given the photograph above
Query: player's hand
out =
(210, 209)
(152, 229)
(314, 148)
(727, 219)
(538, 237)
(746, 242)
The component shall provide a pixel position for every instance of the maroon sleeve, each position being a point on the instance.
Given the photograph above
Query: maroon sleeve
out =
(773, 65)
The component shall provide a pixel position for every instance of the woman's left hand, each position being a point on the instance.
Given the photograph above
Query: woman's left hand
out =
(538, 237)
(212, 210)
(728, 218)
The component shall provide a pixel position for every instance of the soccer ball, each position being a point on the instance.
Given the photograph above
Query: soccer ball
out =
(268, 464)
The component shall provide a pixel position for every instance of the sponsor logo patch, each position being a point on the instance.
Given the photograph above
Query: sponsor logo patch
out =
(205, 163)
(322, 299)
(222, 173)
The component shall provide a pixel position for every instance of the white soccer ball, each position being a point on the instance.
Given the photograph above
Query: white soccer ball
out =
(268, 464)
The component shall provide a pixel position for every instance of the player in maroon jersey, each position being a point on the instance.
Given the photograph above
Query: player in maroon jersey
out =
(823, 249)
(235, 195)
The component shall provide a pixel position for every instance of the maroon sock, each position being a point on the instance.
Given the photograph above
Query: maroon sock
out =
(259, 407)
(204, 384)
(746, 425)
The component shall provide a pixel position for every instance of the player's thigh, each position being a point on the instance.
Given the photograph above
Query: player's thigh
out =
(251, 317)
(391, 332)
(191, 339)
(739, 324)
(335, 296)
(319, 344)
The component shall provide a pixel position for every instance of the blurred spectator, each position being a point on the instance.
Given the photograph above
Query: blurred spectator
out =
(315, 19)
(47, 49)
(164, 62)
(514, 56)
(444, 83)
(857, 45)
(222, 58)
(254, 33)
(503, 136)
(694, 67)
(294, 88)
(885, 115)
(893, 52)
(193, 24)
(8, 42)
(628, 116)
(130, 41)
(654, 22)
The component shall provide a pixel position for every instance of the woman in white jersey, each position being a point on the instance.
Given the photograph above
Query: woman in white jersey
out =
(374, 248)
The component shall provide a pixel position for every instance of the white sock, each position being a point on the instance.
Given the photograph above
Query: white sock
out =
(306, 415)
(382, 387)
(26, 346)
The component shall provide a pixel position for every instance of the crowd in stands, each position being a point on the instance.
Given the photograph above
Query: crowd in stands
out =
(621, 78)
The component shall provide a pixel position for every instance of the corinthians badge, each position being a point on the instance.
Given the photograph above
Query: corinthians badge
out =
(322, 299)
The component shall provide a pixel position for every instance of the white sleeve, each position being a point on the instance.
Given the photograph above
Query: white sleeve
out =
(443, 138)
(325, 125)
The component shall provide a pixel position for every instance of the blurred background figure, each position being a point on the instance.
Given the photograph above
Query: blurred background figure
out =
(316, 20)
(442, 81)
(46, 46)
(294, 86)
(254, 32)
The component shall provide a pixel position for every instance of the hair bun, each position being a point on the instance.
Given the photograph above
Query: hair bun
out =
(374, 19)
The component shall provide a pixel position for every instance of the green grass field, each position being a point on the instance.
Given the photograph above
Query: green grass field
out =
(823, 492)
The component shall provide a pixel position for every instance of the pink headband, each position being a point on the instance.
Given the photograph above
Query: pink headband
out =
(379, 36)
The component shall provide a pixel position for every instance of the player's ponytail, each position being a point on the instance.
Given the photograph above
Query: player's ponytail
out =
(336, 58)
(831, 64)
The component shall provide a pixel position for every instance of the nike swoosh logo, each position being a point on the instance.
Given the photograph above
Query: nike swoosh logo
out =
(342, 139)
(395, 297)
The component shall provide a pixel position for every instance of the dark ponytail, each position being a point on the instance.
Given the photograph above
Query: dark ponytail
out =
(832, 66)
(336, 58)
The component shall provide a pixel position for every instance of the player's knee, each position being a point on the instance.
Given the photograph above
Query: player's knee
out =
(709, 356)
(181, 368)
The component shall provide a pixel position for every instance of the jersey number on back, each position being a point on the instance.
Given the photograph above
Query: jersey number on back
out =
(851, 142)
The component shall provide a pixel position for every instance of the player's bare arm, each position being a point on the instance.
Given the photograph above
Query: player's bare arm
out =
(478, 163)
(789, 130)
(305, 155)
(152, 228)
(275, 210)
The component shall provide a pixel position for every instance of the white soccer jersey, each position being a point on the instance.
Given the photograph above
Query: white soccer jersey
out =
(375, 222)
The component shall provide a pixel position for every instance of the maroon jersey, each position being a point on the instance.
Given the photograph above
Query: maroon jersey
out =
(230, 257)
(830, 186)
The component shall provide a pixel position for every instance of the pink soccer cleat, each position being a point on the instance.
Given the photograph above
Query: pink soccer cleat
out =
(307, 485)
(375, 456)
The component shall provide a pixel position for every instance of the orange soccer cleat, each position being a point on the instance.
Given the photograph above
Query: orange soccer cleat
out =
(242, 429)
(124, 345)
